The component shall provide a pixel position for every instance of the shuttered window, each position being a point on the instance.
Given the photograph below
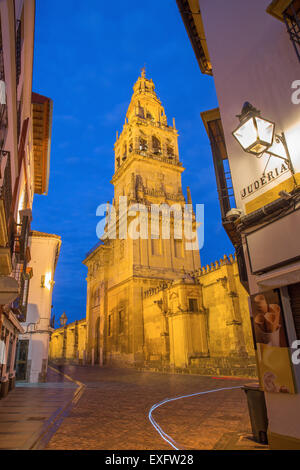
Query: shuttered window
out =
(294, 293)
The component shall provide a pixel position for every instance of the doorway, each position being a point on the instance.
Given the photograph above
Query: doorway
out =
(21, 363)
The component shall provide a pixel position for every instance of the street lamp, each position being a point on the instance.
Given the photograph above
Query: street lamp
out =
(257, 136)
(254, 133)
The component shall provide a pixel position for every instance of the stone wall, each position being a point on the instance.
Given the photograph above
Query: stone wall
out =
(216, 339)
(69, 343)
(198, 324)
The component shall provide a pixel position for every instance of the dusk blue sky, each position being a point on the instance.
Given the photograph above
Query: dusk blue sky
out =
(88, 55)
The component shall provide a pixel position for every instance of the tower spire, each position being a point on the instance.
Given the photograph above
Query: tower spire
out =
(144, 71)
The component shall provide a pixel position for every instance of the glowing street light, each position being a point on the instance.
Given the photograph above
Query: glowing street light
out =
(257, 136)
(254, 133)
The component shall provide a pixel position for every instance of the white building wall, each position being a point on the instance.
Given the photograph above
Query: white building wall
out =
(253, 60)
(44, 250)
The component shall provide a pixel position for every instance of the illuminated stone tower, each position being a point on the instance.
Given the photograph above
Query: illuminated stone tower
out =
(147, 171)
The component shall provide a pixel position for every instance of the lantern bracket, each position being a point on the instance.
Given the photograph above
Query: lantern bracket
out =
(280, 138)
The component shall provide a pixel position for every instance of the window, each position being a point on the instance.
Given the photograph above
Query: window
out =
(122, 247)
(121, 321)
(140, 112)
(96, 297)
(170, 152)
(156, 145)
(109, 325)
(149, 116)
(178, 248)
(143, 145)
(124, 152)
(156, 247)
(193, 305)
(8, 360)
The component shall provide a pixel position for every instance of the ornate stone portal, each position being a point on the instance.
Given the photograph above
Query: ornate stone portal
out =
(143, 309)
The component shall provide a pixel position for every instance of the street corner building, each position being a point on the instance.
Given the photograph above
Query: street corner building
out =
(25, 139)
(33, 344)
(254, 137)
(150, 304)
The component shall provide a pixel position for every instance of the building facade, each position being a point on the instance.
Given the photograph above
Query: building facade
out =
(215, 340)
(149, 302)
(252, 51)
(69, 344)
(25, 137)
(33, 344)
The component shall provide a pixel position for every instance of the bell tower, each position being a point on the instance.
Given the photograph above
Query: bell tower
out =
(147, 149)
(147, 172)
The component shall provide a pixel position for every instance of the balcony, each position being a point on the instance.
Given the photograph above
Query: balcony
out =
(5, 208)
(291, 18)
(23, 275)
(18, 50)
(171, 160)
(288, 11)
(21, 256)
(3, 106)
(213, 125)
(21, 237)
(3, 122)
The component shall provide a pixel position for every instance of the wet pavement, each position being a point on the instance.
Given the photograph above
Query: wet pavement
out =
(27, 413)
(112, 413)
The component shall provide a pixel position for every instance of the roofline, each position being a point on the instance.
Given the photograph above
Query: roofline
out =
(49, 147)
(35, 233)
(277, 8)
(199, 45)
(93, 251)
(36, 98)
(61, 328)
(210, 115)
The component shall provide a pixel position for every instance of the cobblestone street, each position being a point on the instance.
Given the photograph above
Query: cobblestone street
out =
(31, 410)
(113, 412)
